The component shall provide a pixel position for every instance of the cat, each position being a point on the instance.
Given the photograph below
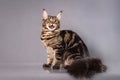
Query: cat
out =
(66, 48)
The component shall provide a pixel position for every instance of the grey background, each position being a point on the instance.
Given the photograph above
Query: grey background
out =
(96, 21)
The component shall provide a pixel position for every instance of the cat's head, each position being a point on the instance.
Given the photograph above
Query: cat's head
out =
(51, 23)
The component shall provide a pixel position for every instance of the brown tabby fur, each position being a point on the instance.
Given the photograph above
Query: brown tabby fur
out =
(66, 48)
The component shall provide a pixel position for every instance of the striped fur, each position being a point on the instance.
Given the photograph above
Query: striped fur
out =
(66, 48)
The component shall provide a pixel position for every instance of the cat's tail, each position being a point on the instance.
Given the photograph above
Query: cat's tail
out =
(86, 67)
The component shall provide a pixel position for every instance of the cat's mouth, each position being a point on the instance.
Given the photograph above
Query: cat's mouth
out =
(51, 27)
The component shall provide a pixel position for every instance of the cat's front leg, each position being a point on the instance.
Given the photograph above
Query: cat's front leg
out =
(57, 59)
(49, 62)
(49, 58)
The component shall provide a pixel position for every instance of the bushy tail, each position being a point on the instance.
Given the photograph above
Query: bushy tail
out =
(86, 67)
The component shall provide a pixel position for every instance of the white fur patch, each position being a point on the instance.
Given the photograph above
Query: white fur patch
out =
(51, 29)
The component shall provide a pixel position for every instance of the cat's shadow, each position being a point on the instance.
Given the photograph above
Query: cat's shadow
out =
(62, 70)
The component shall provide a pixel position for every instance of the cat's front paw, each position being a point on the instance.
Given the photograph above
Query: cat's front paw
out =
(56, 67)
(46, 66)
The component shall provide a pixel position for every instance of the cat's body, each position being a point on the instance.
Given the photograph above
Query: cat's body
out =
(65, 47)
(66, 44)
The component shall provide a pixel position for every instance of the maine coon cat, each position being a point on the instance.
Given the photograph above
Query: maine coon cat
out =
(66, 48)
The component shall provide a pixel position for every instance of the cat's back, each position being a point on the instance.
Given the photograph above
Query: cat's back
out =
(69, 35)
(72, 42)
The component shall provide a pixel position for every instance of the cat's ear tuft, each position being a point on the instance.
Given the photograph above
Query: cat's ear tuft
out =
(59, 15)
(45, 14)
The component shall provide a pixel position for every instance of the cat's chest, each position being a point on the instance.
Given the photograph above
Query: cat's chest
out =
(52, 42)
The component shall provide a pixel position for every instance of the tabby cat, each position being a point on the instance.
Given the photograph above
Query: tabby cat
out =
(66, 48)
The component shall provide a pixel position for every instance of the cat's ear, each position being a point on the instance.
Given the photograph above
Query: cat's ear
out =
(45, 14)
(59, 15)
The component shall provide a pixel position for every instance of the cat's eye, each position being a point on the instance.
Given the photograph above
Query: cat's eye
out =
(54, 24)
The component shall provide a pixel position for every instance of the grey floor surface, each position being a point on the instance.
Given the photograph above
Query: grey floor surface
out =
(36, 72)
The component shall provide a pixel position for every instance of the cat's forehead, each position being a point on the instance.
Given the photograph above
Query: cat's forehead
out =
(52, 18)
(49, 16)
